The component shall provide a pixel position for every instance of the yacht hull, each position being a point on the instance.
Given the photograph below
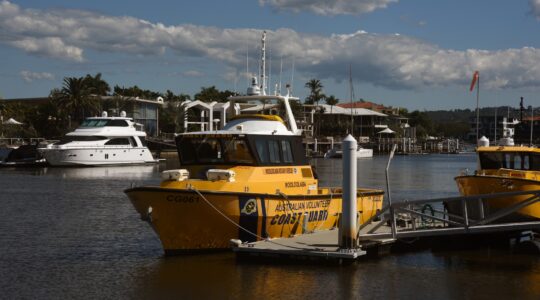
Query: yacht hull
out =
(97, 156)
(471, 185)
(360, 153)
(187, 222)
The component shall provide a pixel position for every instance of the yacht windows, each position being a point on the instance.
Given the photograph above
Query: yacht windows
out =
(79, 138)
(118, 141)
(101, 123)
(93, 123)
(117, 123)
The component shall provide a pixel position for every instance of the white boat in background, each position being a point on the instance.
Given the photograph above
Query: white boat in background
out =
(101, 141)
(336, 152)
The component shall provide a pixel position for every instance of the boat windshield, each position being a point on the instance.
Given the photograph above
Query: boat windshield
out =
(102, 123)
(214, 150)
(79, 138)
(510, 160)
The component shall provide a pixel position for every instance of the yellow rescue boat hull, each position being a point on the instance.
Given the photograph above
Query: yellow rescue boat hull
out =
(186, 222)
(471, 185)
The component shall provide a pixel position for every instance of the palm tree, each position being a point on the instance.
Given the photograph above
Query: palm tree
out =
(331, 100)
(97, 85)
(75, 98)
(315, 91)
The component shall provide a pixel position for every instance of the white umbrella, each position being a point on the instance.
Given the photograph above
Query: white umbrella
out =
(387, 130)
(12, 121)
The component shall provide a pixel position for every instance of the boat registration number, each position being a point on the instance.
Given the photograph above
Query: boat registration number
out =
(183, 198)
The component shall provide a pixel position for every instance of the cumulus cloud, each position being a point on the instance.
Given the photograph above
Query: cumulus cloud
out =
(391, 61)
(535, 8)
(328, 7)
(30, 76)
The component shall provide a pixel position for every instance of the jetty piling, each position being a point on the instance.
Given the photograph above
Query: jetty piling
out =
(347, 230)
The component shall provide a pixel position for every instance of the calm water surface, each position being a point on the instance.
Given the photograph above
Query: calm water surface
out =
(72, 233)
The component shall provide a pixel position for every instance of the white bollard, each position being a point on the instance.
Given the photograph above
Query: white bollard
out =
(347, 231)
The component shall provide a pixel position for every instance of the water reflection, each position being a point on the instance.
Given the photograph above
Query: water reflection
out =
(72, 232)
(111, 172)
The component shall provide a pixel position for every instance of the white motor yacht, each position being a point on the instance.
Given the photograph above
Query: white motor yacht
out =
(336, 152)
(100, 141)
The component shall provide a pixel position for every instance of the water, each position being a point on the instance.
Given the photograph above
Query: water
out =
(72, 233)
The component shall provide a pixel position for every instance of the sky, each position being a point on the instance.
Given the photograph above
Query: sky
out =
(416, 54)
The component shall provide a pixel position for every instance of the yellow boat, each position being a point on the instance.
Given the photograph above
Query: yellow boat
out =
(503, 168)
(249, 181)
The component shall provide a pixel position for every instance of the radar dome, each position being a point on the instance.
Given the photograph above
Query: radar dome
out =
(483, 142)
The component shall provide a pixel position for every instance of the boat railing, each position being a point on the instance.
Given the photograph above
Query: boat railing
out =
(429, 217)
(64, 147)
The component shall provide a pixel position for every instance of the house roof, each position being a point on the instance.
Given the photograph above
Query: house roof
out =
(336, 110)
(362, 104)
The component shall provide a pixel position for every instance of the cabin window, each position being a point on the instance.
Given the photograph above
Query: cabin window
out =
(491, 160)
(93, 123)
(287, 151)
(117, 123)
(534, 161)
(510, 160)
(517, 162)
(208, 150)
(237, 151)
(526, 165)
(262, 150)
(273, 150)
(118, 141)
(79, 138)
(214, 150)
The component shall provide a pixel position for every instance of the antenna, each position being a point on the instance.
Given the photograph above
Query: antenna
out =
(280, 71)
(532, 123)
(263, 63)
(292, 77)
(269, 73)
(247, 61)
(352, 96)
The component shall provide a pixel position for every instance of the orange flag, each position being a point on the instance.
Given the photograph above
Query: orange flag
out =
(474, 80)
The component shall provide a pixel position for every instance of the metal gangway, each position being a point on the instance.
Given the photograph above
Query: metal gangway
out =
(429, 217)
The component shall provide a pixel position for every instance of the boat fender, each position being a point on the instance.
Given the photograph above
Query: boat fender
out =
(220, 174)
(235, 243)
(175, 175)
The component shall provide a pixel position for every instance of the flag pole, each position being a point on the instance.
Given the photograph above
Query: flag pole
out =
(476, 80)
(477, 75)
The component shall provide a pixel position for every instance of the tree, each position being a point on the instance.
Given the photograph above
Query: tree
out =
(97, 85)
(134, 92)
(315, 91)
(331, 100)
(171, 112)
(209, 94)
(75, 98)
